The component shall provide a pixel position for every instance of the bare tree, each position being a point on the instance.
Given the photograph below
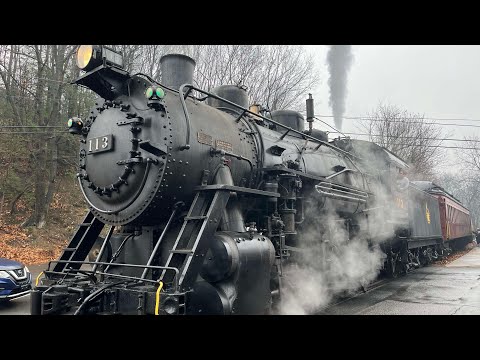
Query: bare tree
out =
(471, 156)
(465, 186)
(409, 136)
(33, 77)
(277, 76)
(467, 182)
(131, 55)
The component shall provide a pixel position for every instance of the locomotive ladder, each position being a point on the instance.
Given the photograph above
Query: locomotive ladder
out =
(80, 243)
(194, 239)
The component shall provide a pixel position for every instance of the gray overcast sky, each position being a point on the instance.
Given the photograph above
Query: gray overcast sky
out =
(436, 80)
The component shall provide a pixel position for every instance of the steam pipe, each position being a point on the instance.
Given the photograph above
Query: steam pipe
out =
(310, 112)
(232, 219)
(104, 245)
(222, 152)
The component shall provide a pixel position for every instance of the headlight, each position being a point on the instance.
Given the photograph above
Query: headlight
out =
(4, 275)
(91, 56)
(26, 269)
(84, 55)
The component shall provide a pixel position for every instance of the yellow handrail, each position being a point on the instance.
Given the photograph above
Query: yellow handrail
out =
(157, 298)
(38, 278)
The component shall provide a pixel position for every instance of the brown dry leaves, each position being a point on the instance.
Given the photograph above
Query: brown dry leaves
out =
(448, 259)
(16, 245)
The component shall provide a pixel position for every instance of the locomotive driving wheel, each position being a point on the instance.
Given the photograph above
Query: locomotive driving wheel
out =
(392, 268)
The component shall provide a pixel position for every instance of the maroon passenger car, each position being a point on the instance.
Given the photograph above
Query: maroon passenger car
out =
(455, 219)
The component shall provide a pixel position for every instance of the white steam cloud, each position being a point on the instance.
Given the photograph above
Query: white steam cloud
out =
(336, 260)
(339, 60)
(342, 267)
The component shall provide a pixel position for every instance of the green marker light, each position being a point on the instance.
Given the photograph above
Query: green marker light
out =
(159, 92)
(149, 93)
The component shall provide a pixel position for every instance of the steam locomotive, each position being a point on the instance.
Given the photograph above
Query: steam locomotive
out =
(198, 202)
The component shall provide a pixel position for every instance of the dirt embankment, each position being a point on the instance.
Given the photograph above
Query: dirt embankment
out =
(36, 246)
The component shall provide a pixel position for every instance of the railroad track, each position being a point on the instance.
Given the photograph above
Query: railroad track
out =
(383, 281)
(372, 286)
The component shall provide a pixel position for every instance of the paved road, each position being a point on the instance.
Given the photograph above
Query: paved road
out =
(435, 290)
(441, 290)
(21, 306)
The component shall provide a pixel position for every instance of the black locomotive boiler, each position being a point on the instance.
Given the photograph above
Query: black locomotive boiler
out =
(203, 200)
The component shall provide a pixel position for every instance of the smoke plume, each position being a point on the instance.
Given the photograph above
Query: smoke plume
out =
(339, 60)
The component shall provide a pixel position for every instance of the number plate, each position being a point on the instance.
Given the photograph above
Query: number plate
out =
(100, 144)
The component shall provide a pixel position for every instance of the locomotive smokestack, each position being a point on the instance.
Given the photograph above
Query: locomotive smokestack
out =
(177, 69)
